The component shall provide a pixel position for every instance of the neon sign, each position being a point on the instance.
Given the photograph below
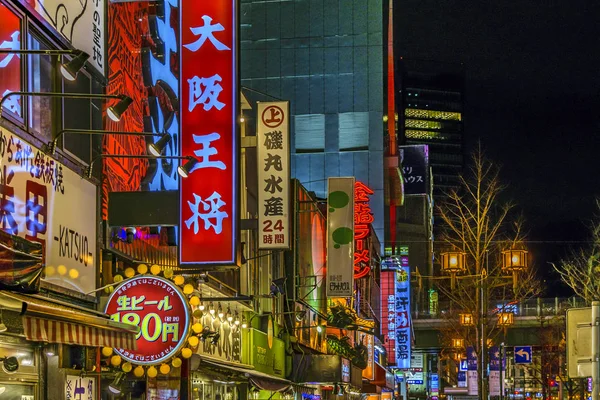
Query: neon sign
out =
(209, 112)
(160, 310)
(362, 229)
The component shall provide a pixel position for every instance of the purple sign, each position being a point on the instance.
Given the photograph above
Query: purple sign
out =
(471, 359)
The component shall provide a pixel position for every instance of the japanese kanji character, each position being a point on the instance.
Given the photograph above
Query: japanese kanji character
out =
(267, 239)
(274, 206)
(361, 192)
(164, 304)
(7, 205)
(212, 205)
(273, 184)
(206, 151)
(205, 91)
(170, 329)
(36, 209)
(58, 179)
(13, 44)
(205, 32)
(274, 140)
(273, 161)
(127, 303)
(279, 238)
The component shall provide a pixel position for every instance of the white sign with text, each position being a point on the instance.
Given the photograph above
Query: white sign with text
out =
(44, 201)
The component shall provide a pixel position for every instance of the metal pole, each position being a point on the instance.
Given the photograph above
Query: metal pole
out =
(595, 349)
(482, 345)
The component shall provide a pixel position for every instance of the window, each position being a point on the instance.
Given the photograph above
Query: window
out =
(310, 132)
(10, 64)
(354, 130)
(40, 80)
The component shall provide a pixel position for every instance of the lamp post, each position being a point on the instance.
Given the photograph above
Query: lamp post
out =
(514, 261)
(183, 170)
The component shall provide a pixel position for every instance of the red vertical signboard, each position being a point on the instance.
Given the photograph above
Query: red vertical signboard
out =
(209, 102)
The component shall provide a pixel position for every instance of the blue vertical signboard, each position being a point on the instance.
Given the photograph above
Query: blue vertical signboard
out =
(494, 376)
(472, 389)
(403, 339)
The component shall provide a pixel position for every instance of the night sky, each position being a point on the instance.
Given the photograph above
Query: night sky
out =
(532, 99)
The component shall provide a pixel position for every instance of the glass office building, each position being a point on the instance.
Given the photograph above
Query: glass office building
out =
(326, 58)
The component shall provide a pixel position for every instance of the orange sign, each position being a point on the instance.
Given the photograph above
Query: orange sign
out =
(367, 340)
(362, 229)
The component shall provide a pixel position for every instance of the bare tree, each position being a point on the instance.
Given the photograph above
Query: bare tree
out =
(581, 269)
(478, 221)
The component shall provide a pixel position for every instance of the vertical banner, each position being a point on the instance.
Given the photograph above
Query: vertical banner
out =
(209, 102)
(472, 386)
(366, 339)
(340, 237)
(403, 333)
(388, 309)
(494, 377)
(415, 169)
(273, 155)
(362, 230)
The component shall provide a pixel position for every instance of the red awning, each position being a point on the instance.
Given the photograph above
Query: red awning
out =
(52, 321)
(52, 331)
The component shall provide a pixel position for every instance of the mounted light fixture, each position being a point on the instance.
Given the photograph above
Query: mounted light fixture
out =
(237, 318)
(89, 169)
(211, 309)
(458, 343)
(506, 319)
(220, 314)
(121, 97)
(229, 315)
(116, 112)
(157, 148)
(185, 169)
(50, 148)
(68, 70)
(116, 387)
(244, 323)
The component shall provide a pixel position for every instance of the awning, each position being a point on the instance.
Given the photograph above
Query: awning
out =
(259, 379)
(52, 321)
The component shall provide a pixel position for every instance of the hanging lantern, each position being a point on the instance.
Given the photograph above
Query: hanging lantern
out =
(453, 262)
(458, 343)
(466, 319)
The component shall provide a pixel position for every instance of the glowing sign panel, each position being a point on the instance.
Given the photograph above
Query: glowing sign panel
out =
(208, 94)
(160, 310)
(362, 230)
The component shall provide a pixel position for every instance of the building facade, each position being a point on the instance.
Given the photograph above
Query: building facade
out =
(431, 107)
(326, 58)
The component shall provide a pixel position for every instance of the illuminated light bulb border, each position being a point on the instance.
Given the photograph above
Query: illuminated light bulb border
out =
(187, 350)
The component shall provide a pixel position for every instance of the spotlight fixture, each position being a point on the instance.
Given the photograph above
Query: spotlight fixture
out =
(320, 328)
(300, 314)
(220, 314)
(70, 69)
(10, 365)
(237, 318)
(201, 306)
(229, 315)
(277, 286)
(211, 309)
(116, 112)
(157, 148)
(244, 323)
(116, 387)
(185, 169)
(215, 338)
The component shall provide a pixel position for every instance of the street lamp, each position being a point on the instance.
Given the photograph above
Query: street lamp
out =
(453, 262)
(506, 319)
(458, 343)
(514, 261)
(466, 319)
